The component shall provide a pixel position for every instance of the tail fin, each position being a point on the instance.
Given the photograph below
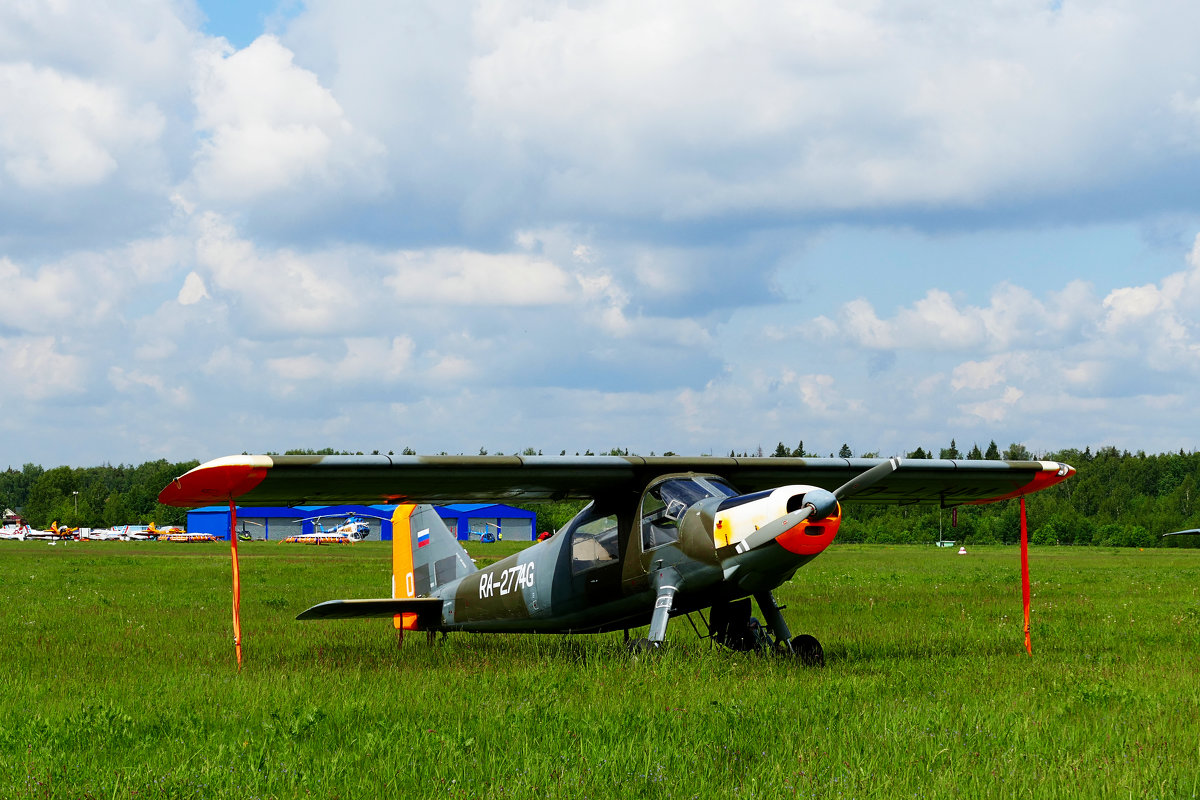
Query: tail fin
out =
(425, 555)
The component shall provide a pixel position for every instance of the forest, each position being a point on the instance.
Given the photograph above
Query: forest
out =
(1116, 499)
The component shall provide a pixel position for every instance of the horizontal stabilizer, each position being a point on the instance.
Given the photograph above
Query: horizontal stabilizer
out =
(427, 609)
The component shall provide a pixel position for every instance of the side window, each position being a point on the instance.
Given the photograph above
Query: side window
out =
(594, 544)
(658, 522)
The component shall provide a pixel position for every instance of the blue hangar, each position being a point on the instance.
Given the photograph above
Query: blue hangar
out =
(471, 521)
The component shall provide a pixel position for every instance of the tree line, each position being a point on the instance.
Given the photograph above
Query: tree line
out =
(1117, 498)
(93, 497)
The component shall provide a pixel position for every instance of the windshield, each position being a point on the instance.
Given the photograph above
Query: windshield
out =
(665, 503)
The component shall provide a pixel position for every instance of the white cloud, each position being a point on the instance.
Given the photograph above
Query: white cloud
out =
(977, 374)
(528, 217)
(139, 382)
(84, 290)
(299, 368)
(375, 359)
(229, 361)
(465, 278)
(271, 126)
(825, 106)
(193, 290)
(997, 409)
(60, 131)
(1132, 305)
(285, 289)
(36, 369)
(144, 44)
(934, 321)
(364, 360)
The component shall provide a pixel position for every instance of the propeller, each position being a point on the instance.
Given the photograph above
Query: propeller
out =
(818, 504)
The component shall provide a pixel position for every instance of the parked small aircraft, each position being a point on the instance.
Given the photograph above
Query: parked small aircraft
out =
(14, 532)
(54, 532)
(662, 536)
(117, 533)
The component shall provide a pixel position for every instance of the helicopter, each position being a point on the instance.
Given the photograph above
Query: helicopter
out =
(353, 528)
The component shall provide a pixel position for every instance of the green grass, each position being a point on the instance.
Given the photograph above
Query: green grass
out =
(117, 680)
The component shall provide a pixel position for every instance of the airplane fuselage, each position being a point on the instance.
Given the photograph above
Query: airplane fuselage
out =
(588, 580)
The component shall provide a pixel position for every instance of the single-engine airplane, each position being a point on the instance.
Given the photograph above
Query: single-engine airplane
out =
(54, 532)
(662, 536)
(14, 532)
(155, 532)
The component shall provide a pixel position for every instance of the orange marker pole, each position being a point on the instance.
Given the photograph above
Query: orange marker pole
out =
(237, 585)
(1025, 574)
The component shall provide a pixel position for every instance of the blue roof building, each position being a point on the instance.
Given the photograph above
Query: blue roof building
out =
(468, 521)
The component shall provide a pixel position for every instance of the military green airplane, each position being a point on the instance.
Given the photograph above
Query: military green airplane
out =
(661, 537)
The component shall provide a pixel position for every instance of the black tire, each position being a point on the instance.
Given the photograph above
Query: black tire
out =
(808, 651)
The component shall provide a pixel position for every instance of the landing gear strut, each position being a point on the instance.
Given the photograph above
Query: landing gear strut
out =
(666, 583)
(731, 625)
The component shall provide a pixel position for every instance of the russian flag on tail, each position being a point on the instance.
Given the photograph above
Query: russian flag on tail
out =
(423, 538)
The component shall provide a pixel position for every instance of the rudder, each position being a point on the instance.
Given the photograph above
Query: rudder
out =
(425, 555)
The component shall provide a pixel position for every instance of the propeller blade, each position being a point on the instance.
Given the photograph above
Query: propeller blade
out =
(867, 479)
(773, 529)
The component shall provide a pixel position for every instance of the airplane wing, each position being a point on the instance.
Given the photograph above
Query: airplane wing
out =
(427, 609)
(259, 480)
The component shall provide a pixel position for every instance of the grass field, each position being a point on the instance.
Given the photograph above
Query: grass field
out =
(117, 680)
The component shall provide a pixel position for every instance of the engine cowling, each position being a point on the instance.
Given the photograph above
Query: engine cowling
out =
(735, 518)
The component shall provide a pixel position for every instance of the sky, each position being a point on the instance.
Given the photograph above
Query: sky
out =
(689, 227)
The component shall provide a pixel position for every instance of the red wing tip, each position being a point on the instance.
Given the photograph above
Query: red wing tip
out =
(216, 481)
(1051, 473)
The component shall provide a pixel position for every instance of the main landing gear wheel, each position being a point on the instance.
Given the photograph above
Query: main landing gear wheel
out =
(731, 625)
(808, 651)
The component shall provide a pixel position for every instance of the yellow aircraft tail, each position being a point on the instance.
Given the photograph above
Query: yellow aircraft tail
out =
(425, 555)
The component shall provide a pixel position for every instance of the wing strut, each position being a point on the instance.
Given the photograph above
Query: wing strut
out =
(1025, 574)
(237, 584)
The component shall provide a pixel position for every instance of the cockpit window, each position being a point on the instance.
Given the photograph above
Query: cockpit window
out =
(664, 504)
(593, 540)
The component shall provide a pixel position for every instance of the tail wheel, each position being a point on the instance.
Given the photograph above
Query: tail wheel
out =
(808, 650)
